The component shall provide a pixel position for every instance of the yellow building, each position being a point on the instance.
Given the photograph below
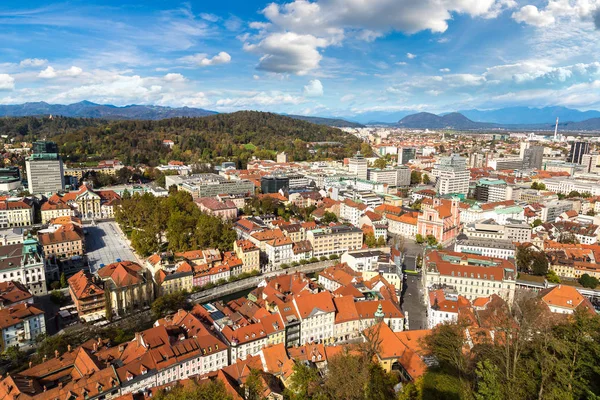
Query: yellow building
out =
(249, 253)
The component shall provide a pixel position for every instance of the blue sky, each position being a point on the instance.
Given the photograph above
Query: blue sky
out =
(323, 57)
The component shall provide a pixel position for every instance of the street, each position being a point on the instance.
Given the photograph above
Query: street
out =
(106, 244)
(412, 302)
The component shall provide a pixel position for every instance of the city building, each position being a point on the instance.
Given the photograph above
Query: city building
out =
(24, 262)
(317, 317)
(129, 286)
(451, 175)
(274, 183)
(248, 253)
(357, 165)
(66, 241)
(45, 169)
(491, 190)
(486, 247)
(334, 240)
(533, 157)
(15, 213)
(578, 149)
(226, 210)
(10, 178)
(506, 163)
(441, 220)
(443, 306)
(88, 297)
(564, 299)
(393, 176)
(405, 154)
(20, 325)
(470, 275)
(279, 251)
(209, 185)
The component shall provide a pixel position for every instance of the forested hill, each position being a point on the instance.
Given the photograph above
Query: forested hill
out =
(236, 136)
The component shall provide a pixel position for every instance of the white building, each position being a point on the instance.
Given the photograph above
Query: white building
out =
(486, 247)
(470, 275)
(358, 166)
(362, 260)
(280, 251)
(451, 175)
(21, 325)
(317, 317)
(443, 306)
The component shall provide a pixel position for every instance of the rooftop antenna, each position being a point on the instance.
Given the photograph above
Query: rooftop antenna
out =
(556, 130)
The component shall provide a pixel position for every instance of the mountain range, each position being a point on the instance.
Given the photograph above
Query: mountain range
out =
(458, 121)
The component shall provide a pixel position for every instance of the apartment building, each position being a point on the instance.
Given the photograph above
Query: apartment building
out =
(404, 225)
(351, 211)
(443, 306)
(357, 165)
(317, 317)
(489, 229)
(20, 325)
(334, 240)
(472, 276)
(363, 260)
(486, 247)
(279, 251)
(451, 175)
(88, 297)
(15, 213)
(248, 253)
(24, 262)
(130, 286)
(65, 241)
(209, 185)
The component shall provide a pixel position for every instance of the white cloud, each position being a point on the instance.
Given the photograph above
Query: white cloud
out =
(261, 99)
(443, 40)
(531, 15)
(410, 56)
(323, 23)
(50, 72)
(347, 98)
(233, 23)
(288, 53)
(444, 69)
(255, 77)
(7, 82)
(33, 62)
(174, 77)
(313, 89)
(221, 58)
(202, 59)
(209, 17)
(401, 63)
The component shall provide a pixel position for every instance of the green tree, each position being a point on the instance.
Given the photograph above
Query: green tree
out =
(415, 177)
(539, 264)
(168, 304)
(537, 222)
(419, 238)
(305, 383)
(210, 390)
(328, 217)
(58, 297)
(426, 179)
(588, 281)
(370, 240)
(63, 281)
(380, 163)
(431, 240)
(552, 277)
(365, 150)
(489, 386)
(254, 386)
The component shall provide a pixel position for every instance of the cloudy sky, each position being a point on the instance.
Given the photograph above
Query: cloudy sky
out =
(320, 57)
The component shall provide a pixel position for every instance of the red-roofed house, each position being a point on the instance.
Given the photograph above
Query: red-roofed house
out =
(317, 317)
(130, 286)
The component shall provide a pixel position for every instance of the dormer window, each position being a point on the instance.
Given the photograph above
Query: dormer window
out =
(129, 376)
(100, 388)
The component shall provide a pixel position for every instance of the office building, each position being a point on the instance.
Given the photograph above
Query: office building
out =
(490, 190)
(10, 179)
(506, 163)
(209, 185)
(470, 275)
(405, 154)
(533, 157)
(45, 169)
(452, 175)
(398, 176)
(273, 184)
(590, 163)
(578, 149)
(357, 165)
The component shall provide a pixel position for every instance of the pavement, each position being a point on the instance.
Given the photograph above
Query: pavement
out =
(105, 244)
(412, 302)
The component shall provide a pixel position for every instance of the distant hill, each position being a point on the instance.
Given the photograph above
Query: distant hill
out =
(236, 136)
(458, 121)
(425, 120)
(336, 122)
(529, 115)
(87, 109)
